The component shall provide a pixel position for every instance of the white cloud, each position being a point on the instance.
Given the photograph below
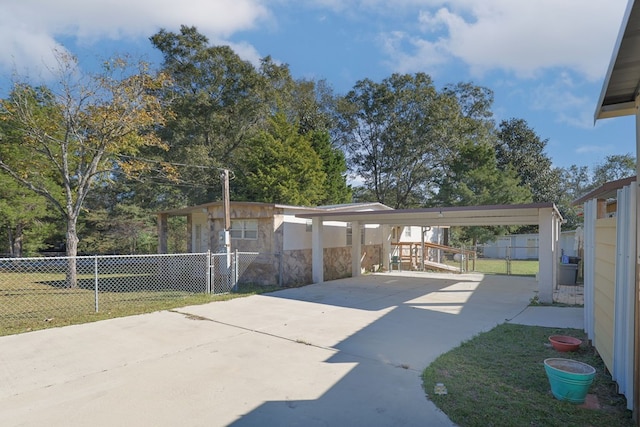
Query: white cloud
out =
(524, 38)
(590, 149)
(30, 29)
(569, 101)
(423, 56)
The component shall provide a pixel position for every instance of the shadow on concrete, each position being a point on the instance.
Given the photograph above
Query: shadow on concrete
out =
(407, 321)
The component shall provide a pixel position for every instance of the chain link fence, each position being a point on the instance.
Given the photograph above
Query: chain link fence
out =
(54, 287)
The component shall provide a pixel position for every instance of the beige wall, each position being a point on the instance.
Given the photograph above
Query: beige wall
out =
(604, 289)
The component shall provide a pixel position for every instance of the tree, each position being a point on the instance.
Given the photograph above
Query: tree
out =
(26, 218)
(121, 228)
(521, 148)
(474, 179)
(282, 167)
(219, 101)
(56, 142)
(334, 166)
(223, 103)
(394, 134)
(615, 166)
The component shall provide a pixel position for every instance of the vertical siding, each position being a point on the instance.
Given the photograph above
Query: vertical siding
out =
(604, 289)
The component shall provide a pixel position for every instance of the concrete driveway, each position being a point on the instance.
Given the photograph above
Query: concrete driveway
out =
(346, 352)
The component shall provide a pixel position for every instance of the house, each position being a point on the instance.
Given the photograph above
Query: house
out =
(620, 96)
(284, 240)
(609, 277)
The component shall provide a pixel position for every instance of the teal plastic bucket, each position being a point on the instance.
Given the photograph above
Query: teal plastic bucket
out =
(569, 379)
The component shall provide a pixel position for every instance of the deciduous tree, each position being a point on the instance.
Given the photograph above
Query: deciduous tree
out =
(56, 141)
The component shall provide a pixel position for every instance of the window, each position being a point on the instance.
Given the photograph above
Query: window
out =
(407, 231)
(245, 229)
(350, 234)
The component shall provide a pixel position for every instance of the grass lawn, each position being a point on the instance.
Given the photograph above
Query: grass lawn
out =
(499, 266)
(498, 379)
(32, 301)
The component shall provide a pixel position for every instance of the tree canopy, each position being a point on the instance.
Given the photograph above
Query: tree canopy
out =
(105, 150)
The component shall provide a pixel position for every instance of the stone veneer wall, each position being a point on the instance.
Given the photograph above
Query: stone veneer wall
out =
(296, 265)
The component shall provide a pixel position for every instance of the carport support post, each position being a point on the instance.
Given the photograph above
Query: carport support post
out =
(317, 250)
(356, 249)
(548, 226)
(386, 246)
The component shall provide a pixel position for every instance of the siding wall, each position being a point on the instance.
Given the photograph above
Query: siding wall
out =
(604, 288)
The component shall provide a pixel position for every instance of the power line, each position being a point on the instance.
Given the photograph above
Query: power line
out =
(218, 168)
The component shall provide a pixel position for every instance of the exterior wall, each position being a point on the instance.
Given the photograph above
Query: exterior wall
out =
(284, 243)
(432, 235)
(269, 229)
(297, 235)
(604, 288)
(337, 261)
(199, 241)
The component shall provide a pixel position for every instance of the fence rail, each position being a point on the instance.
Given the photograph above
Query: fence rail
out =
(53, 287)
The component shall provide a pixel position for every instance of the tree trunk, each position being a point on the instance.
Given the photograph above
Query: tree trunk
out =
(10, 236)
(17, 241)
(72, 252)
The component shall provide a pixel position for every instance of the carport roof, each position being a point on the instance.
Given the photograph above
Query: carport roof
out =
(623, 76)
(527, 214)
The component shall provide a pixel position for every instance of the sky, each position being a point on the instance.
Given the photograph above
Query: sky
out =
(545, 60)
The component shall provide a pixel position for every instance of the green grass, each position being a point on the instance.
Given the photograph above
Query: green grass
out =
(499, 266)
(498, 379)
(32, 301)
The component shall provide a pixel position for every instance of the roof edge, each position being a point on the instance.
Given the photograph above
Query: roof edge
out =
(602, 113)
(605, 188)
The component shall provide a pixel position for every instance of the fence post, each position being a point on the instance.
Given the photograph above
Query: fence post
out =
(235, 271)
(208, 272)
(95, 280)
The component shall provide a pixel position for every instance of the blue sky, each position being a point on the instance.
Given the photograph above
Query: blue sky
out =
(545, 60)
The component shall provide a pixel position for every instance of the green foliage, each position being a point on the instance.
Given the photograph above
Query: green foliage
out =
(55, 142)
(122, 229)
(222, 108)
(282, 167)
(520, 148)
(398, 134)
(25, 219)
(217, 102)
(613, 168)
(334, 166)
(474, 179)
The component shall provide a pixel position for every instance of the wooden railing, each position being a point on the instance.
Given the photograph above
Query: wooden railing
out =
(411, 255)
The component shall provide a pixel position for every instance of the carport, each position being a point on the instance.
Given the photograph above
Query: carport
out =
(545, 215)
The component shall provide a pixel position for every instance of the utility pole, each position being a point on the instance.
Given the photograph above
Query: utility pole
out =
(225, 235)
(225, 238)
